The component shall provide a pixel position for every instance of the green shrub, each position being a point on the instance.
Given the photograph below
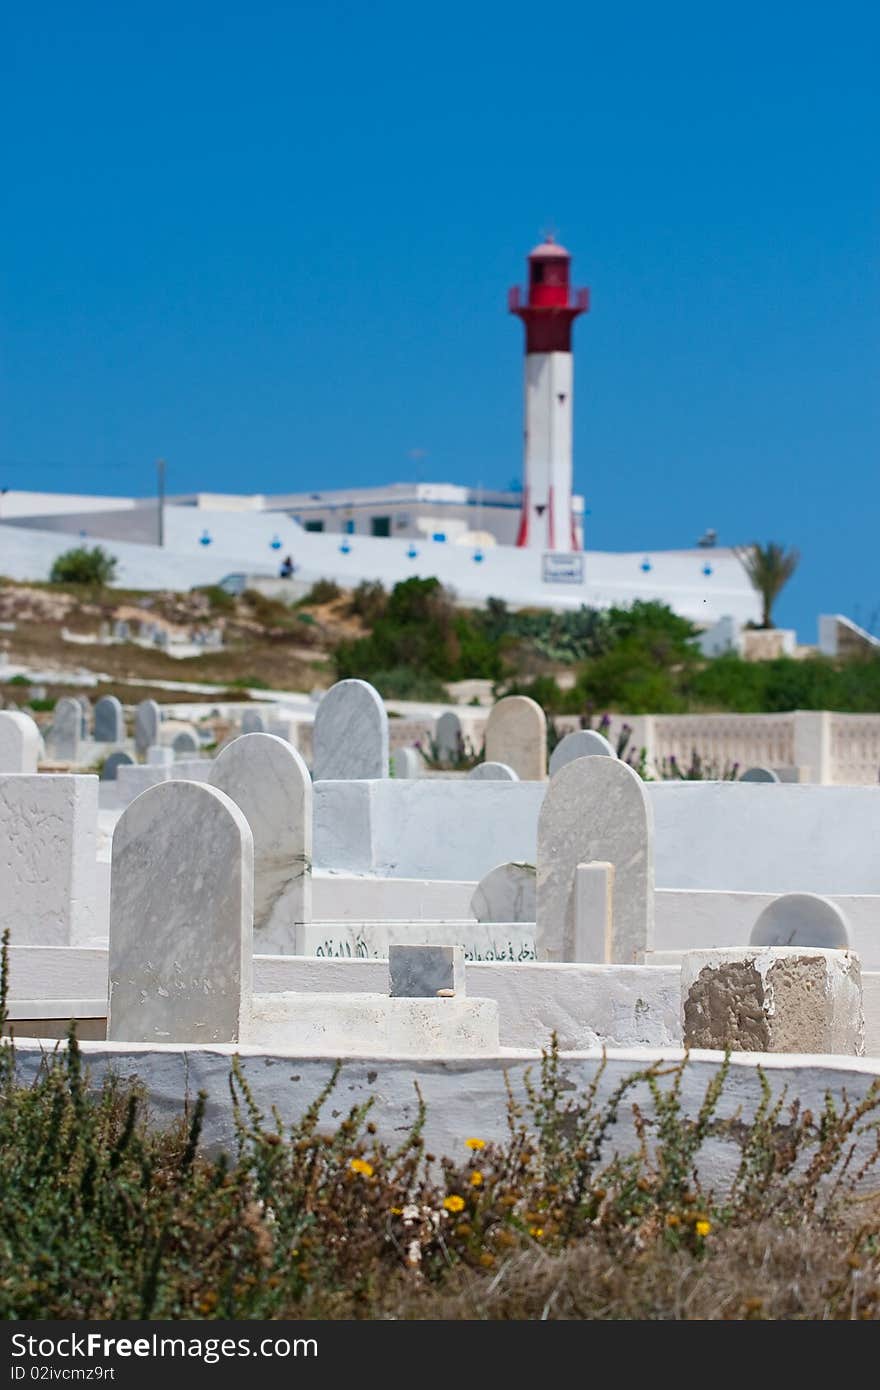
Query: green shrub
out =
(84, 566)
(105, 1217)
(403, 683)
(18, 680)
(322, 591)
(220, 600)
(369, 601)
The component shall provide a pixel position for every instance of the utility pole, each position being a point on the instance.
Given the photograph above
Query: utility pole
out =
(160, 480)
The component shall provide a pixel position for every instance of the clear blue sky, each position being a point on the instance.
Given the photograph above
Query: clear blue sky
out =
(272, 242)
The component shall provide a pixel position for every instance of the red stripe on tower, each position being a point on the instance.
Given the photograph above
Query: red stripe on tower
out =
(548, 311)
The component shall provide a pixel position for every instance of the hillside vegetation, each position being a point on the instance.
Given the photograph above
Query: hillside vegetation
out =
(413, 642)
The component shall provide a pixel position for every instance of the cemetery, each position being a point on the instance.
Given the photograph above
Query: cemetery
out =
(308, 895)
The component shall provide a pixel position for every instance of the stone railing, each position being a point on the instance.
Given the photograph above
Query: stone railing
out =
(724, 741)
(810, 745)
(855, 748)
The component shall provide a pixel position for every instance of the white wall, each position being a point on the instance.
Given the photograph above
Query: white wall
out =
(760, 837)
(242, 541)
(464, 1097)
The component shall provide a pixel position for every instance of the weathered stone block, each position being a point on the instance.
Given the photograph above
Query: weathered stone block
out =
(773, 999)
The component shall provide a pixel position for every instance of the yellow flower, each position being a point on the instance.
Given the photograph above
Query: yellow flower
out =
(476, 1178)
(475, 1143)
(454, 1203)
(360, 1165)
(397, 1211)
(536, 1231)
(703, 1228)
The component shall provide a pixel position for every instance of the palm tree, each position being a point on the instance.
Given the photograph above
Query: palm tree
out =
(769, 567)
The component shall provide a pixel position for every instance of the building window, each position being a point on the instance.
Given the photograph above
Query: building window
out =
(349, 527)
(380, 526)
(314, 525)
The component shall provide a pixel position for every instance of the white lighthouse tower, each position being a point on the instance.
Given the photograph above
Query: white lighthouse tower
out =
(547, 520)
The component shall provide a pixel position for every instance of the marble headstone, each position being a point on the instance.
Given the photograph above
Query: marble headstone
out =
(113, 762)
(147, 718)
(19, 742)
(268, 780)
(181, 918)
(506, 894)
(492, 772)
(109, 720)
(801, 919)
(66, 731)
(350, 737)
(759, 774)
(595, 810)
(407, 762)
(252, 722)
(583, 743)
(516, 735)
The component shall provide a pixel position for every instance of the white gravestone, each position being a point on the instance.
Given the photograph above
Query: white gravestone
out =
(19, 743)
(449, 737)
(583, 743)
(595, 809)
(407, 762)
(760, 774)
(252, 722)
(268, 780)
(66, 731)
(187, 741)
(160, 756)
(492, 772)
(350, 734)
(85, 706)
(147, 718)
(516, 735)
(181, 918)
(801, 919)
(48, 831)
(109, 720)
(112, 764)
(506, 894)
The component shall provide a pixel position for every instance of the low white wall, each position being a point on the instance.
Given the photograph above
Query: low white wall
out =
(586, 1005)
(425, 828)
(766, 838)
(341, 898)
(463, 1097)
(689, 919)
(242, 541)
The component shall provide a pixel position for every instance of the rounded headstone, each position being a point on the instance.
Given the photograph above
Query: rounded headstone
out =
(516, 735)
(185, 742)
(492, 772)
(801, 919)
(350, 734)
(583, 743)
(109, 720)
(113, 763)
(269, 781)
(252, 722)
(506, 894)
(19, 742)
(449, 736)
(407, 763)
(181, 917)
(759, 774)
(147, 718)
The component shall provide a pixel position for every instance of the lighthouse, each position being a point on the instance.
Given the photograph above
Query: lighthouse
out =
(550, 309)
